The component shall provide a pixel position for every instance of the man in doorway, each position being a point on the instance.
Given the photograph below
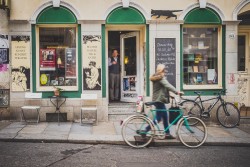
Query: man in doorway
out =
(114, 75)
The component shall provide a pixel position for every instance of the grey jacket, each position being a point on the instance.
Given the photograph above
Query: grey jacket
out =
(161, 88)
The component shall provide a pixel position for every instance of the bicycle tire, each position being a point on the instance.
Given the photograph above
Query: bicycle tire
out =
(192, 136)
(132, 131)
(231, 120)
(191, 108)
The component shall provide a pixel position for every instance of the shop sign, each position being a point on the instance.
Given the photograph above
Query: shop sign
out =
(165, 53)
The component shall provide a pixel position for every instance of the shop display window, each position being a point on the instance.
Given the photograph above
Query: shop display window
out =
(200, 56)
(57, 57)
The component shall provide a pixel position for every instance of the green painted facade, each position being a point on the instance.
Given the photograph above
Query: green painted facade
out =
(125, 16)
(60, 15)
(52, 15)
(210, 17)
(202, 16)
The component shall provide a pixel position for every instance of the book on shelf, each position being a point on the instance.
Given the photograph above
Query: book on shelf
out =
(53, 82)
(190, 69)
(200, 45)
(190, 57)
(195, 69)
(48, 79)
(201, 68)
(198, 58)
(61, 81)
(199, 78)
(194, 79)
(211, 74)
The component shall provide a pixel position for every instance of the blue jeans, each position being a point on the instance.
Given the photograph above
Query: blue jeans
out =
(160, 115)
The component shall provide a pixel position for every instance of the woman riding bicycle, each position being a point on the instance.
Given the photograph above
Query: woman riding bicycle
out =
(161, 88)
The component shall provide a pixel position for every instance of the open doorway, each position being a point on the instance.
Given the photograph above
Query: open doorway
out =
(123, 68)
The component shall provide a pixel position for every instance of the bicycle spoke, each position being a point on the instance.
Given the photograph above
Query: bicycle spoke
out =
(192, 135)
(228, 115)
(134, 134)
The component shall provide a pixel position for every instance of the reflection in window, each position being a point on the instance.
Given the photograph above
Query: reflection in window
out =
(57, 56)
(241, 52)
(200, 56)
(130, 56)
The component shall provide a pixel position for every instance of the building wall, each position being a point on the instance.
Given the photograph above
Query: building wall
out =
(92, 14)
(88, 11)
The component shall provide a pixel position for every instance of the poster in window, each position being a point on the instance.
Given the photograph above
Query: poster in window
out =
(70, 62)
(132, 83)
(4, 62)
(125, 84)
(91, 62)
(20, 56)
(47, 60)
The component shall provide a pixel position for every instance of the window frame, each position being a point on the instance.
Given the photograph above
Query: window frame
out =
(247, 52)
(51, 88)
(219, 85)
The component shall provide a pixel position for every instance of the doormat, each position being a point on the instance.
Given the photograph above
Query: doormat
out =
(53, 117)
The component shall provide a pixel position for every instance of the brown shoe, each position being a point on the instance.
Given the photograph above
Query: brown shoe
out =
(169, 137)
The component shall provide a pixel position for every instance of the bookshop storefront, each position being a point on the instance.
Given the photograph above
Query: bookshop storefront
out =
(63, 44)
(203, 53)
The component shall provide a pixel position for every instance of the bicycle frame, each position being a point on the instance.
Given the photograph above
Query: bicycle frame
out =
(200, 102)
(156, 124)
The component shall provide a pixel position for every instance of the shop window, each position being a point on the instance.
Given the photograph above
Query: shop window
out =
(57, 58)
(201, 61)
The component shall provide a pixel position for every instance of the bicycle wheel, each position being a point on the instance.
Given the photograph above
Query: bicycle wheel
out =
(228, 115)
(134, 134)
(191, 108)
(190, 135)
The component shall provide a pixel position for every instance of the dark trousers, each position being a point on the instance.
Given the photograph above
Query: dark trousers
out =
(160, 115)
(114, 86)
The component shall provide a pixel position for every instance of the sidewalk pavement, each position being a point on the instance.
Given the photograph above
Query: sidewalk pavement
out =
(108, 133)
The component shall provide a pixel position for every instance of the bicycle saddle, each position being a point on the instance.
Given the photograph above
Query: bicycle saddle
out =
(198, 92)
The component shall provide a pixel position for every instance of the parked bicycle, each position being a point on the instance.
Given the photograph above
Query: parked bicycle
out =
(134, 134)
(227, 113)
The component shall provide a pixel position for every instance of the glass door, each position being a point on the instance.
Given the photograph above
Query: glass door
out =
(129, 66)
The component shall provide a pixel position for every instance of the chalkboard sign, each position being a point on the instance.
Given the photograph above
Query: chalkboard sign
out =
(165, 53)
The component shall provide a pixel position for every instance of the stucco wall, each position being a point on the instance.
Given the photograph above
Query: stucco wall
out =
(98, 9)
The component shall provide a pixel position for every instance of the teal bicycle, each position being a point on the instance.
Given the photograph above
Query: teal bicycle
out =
(190, 134)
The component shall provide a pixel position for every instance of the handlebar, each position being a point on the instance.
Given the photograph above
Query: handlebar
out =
(223, 91)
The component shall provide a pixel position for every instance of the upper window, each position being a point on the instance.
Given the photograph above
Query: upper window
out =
(57, 57)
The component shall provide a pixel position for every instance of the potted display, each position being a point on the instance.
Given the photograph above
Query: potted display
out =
(57, 91)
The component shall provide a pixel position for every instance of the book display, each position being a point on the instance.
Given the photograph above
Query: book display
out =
(57, 58)
(200, 56)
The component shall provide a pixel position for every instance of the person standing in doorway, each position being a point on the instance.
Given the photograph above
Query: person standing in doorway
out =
(114, 75)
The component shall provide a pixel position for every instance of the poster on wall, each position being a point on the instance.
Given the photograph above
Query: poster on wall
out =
(4, 62)
(20, 58)
(47, 59)
(91, 62)
(165, 53)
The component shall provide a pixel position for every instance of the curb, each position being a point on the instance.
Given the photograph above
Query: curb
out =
(95, 142)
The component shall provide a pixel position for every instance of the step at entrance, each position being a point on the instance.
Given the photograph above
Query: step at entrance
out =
(120, 110)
